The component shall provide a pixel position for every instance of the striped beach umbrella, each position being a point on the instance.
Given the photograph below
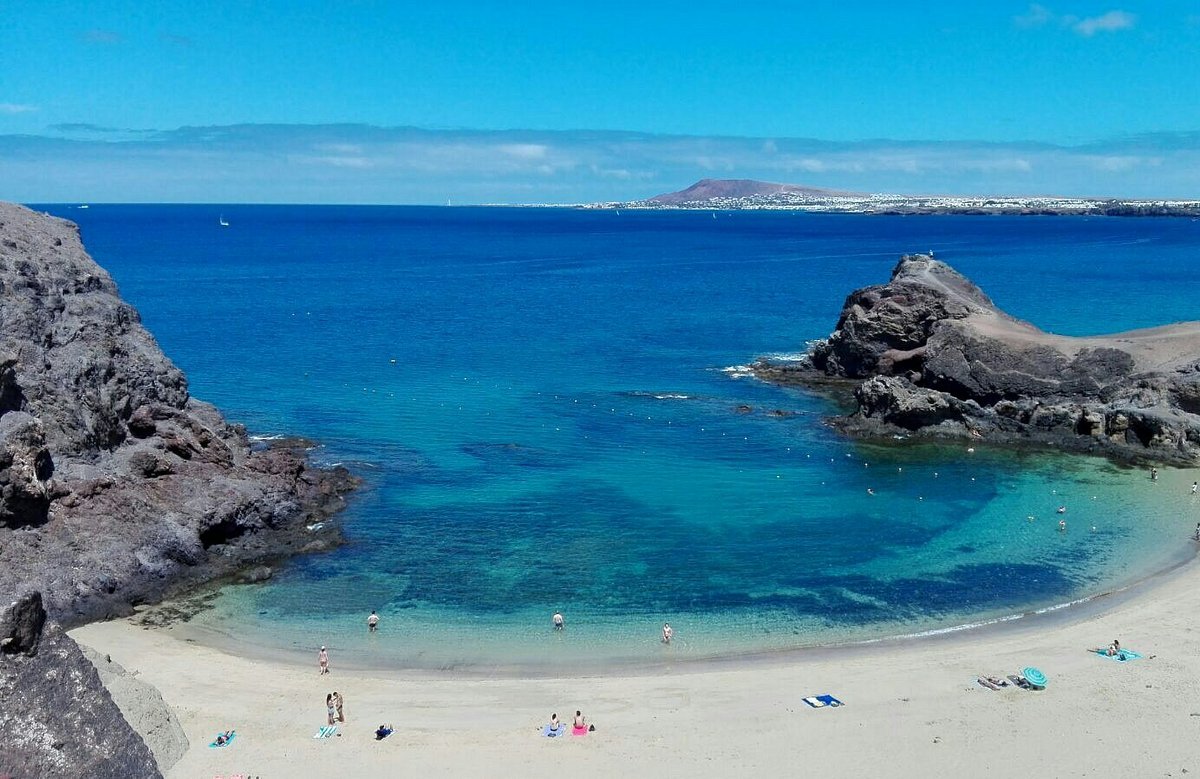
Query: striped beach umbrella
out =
(1034, 676)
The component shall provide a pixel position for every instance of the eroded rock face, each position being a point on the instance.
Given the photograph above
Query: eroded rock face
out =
(58, 721)
(116, 484)
(935, 357)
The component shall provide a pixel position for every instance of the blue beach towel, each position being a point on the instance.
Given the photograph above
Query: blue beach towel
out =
(326, 731)
(1124, 656)
(548, 733)
(821, 701)
(228, 741)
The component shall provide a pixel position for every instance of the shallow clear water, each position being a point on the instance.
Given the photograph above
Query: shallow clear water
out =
(537, 401)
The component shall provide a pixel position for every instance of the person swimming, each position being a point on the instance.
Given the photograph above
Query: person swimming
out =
(1062, 525)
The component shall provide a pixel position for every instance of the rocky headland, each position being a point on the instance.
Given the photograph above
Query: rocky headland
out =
(929, 355)
(116, 485)
(117, 488)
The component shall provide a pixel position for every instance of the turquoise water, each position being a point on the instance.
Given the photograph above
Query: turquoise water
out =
(545, 407)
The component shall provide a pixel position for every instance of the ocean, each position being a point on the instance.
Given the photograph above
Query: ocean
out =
(547, 408)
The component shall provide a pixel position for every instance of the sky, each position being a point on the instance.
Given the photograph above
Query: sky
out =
(374, 101)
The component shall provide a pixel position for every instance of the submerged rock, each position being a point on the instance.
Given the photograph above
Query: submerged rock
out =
(929, 353)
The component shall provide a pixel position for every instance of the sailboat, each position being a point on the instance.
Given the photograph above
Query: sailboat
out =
(221, 221)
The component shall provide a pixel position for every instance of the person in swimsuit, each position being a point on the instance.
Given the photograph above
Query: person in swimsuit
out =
(580, 721)
(557, 619)
(223, 738)
(330, 710)
(383, 731)
(337, 704)
(322, 662)
(554, 723)
(667, 633)
(372, 622)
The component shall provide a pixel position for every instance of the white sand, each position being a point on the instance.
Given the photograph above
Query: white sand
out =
(912, 708)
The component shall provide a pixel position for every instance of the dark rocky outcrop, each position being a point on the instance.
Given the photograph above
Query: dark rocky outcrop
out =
(116, 485)
(58, 721)
(929, 354)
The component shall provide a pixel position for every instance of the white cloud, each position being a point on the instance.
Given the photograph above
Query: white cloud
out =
(1108, 22)
(525, 151)
(1111, 21)
(347, 163)
(16, 108)
(1036, 16)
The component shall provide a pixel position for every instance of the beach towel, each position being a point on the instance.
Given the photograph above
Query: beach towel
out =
(820, 701)
(215, 745)
(326, 731)
(1124, 656)
(579, 731)
(548, 733)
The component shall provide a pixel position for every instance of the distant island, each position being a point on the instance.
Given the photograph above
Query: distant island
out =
(750, 195)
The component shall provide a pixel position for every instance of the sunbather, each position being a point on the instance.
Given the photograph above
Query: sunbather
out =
(223, 738)
(383, 731)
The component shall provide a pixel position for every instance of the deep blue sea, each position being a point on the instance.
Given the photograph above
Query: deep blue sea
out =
(544, 406)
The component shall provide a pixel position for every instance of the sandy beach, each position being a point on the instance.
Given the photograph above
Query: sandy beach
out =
(910, 707)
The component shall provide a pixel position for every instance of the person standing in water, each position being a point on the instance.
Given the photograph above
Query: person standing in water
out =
(557, 619)
(1195, 486)
(372, 622)
(1153, 474)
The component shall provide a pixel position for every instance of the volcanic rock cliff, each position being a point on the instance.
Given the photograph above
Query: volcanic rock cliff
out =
(115, 483)
(58, 721)
(929, 354)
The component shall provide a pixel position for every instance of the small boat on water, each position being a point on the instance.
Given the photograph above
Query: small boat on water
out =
(221, 221)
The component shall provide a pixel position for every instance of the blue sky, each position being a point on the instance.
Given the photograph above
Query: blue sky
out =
(562, 102)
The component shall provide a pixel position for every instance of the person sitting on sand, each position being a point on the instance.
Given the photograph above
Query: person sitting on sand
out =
(667, 633)
(383, 731)
(580, 720)
(372, 622)
(554, 723)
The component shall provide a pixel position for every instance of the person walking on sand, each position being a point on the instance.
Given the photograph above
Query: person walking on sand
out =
(322, 662)
(337, 704)
(330, 709)
(372, 621)
(667, 633)
(557, 619)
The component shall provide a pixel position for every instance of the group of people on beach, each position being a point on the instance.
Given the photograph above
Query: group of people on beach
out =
(333, 707)
(579, 725)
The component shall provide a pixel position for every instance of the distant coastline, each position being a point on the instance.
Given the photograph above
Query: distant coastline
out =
(748, 195)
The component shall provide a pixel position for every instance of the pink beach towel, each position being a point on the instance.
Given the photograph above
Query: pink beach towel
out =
(579, 731)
